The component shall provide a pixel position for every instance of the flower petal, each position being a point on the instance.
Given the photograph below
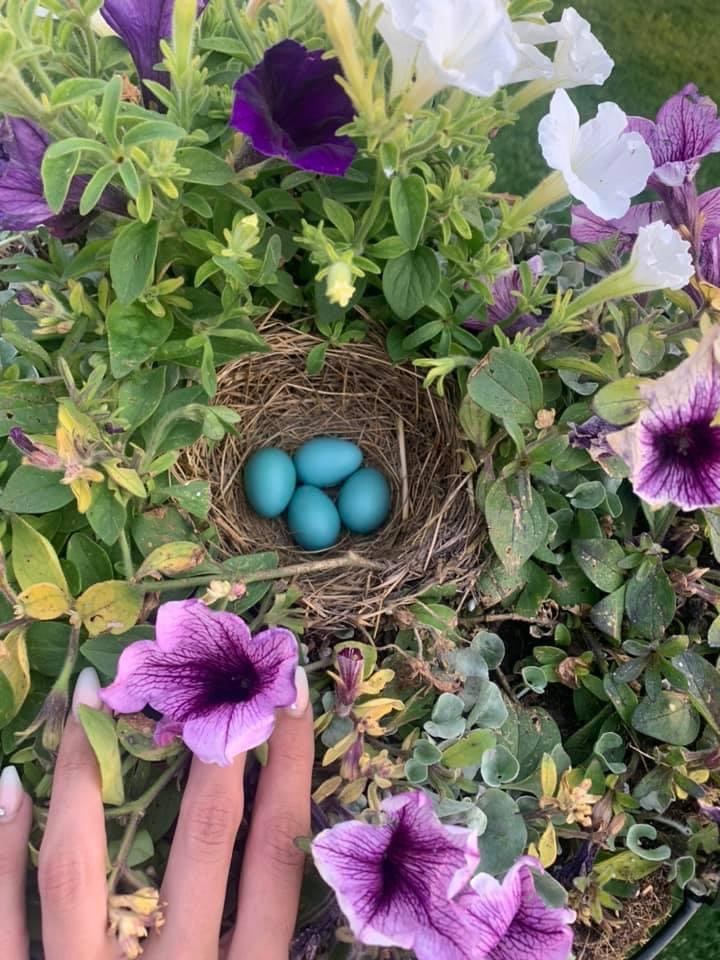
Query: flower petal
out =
(123, 695)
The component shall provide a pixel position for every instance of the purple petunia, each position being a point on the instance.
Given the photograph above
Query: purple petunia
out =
(505, 302)
(22, 200)
(216, 685)
(510, 921)
(291, 106)
(592, 436)
(395, 882)
(686, 130)
(142, 24)
(673, 449)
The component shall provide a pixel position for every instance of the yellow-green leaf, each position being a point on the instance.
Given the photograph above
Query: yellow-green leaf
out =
(135, 732)
(126, 478)
(100, 731)
(15, 674)
(33, 557)
(112, 606)
(547, 846)
(548, 776)
(172, 559)
(44, 601)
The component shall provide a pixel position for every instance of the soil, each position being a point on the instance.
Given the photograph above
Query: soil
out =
(631, 930)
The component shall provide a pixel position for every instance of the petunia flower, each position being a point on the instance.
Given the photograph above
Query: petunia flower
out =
(457, 43)
(142, 24)
(291, 106)
(510, 921)
(592, 436)
(505, 302)
(215, 685)
(394, 882)
(579, 59)
(22, 199)
(673, 449)
(686, 130)
(601, 164)
(709, 262)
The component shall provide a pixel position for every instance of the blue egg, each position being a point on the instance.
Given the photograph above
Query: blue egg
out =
(313, 520)
(364, 501)
(270, 481)
(327, 461)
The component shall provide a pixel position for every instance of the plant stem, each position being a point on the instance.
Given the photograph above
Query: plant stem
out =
(125, 847)
(374, 209)
(140, 805)
(350, 561)
(68, 666)
(126, 556)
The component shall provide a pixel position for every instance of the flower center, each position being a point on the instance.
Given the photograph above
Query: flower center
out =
(697, 441)
(236, 684)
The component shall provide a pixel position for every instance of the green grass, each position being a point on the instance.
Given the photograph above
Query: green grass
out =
(658, 46)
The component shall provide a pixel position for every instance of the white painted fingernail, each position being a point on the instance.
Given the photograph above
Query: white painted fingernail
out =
(11, 794)
(87, 691)
(302, 693)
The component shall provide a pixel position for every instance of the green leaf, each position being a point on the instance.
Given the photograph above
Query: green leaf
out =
(47, 645)
(669, 718)
(646, 347)
(607, 615)
(204, 167)
(703, 686)
(621, 695)
(57, 173)
(507, 385)
(409, 206)
(28, 405)
(410, 281)
(109, 109)
(341, 218)
(75, 90)
(106, 515)
(133, 336)
(598, 560)
(111, 606)
(490, 709)
(162, 525)
(33, 558)
(14, 673)
(619, 402)
(95, 187)
(468, 752)
(103, 652)
(91, 562)
(315, 360)
(30, 490)
(646, 831)
(136, 734)
(132, 260)
(208, 377)
(100, 731)
(193, 496)
(650, 600)
(505, 836)
(149, 130)
(499, 766)
(140, 395)
(426, 752)
(517, 521)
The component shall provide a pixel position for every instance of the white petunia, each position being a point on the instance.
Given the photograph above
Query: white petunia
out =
(601, 164)
(456, 43)
(580, 58)
(660, 260)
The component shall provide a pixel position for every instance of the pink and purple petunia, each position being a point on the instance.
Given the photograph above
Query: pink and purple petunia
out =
(215, 684)
(673, 449)
(407, 882)
(291, 106)
(505, 303)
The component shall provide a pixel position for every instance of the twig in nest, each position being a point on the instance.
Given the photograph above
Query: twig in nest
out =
(403, 468)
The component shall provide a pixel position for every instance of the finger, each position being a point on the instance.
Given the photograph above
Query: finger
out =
(15, 819)
(273, 866)
(71, 872)
(199, 863)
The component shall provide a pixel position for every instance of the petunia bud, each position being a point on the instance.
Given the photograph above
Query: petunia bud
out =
(348, 680)
(35, 455)
(339, 284)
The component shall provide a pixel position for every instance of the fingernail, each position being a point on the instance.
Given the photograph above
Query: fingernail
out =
(11, 794)
(302, 691)
(87, 691)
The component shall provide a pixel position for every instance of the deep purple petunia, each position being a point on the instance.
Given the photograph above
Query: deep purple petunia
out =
(505, 302)
(510, 921)
(673, 449)
(395, 882)
(592, 436)
(687, 128)
(22, 200)
(216, 685)
(291, 106)
(142, 24)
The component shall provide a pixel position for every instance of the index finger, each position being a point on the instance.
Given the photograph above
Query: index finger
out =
(273, 866)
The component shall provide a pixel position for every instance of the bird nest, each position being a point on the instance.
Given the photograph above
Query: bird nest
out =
(434, 535)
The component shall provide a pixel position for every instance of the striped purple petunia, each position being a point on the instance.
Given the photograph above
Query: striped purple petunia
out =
(673, 449)
(215, 684)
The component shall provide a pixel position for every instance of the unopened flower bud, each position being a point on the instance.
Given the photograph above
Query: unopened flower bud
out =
(339, 284)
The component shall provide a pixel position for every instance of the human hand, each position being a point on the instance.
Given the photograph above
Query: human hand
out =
(73, 869)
